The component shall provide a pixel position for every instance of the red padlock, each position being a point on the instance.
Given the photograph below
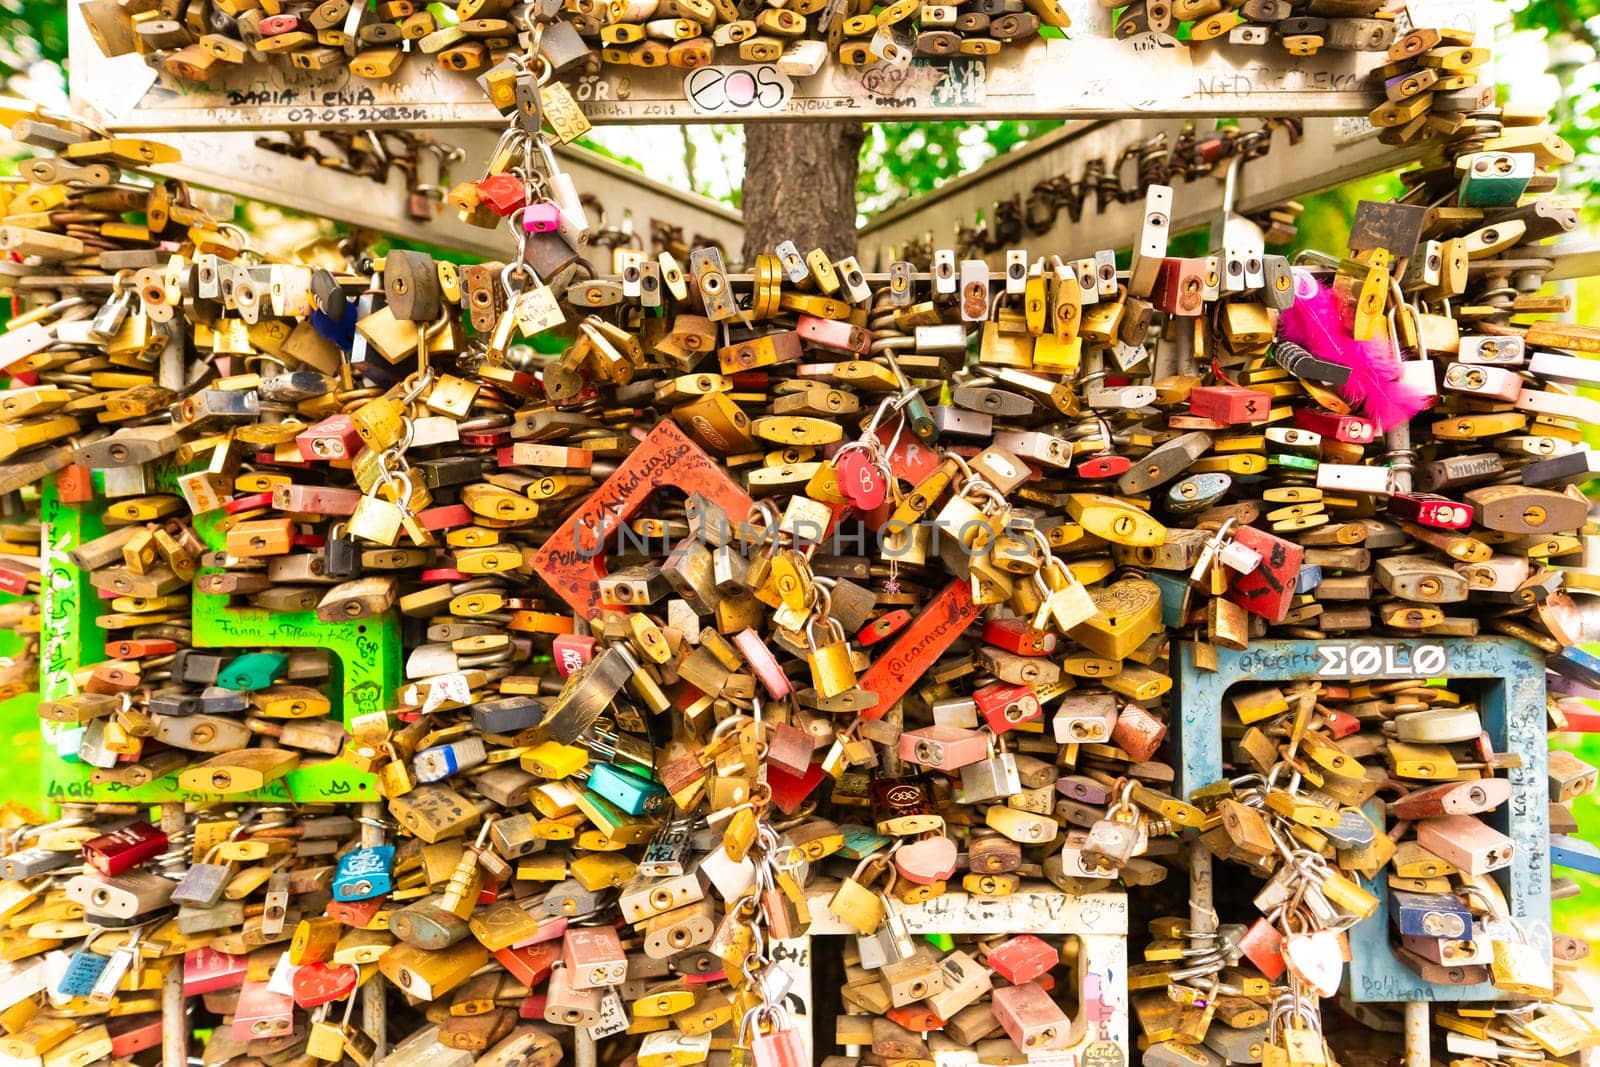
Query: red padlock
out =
(1431, 509)
(1015, 635)
(1351, 429)
(1023, 958)
(530, 964)
(1230, 404)
(206, 970)
(791, 748)
(1138, 733)
(355, 913)
(113, 853)
(1267, 591)
(860, 480)
(571, 652)
(1262, 945)
(503, 194)
(334, 437)
(1005, 707)
(315, 984)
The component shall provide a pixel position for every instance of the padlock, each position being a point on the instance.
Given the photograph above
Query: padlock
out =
(832, 673)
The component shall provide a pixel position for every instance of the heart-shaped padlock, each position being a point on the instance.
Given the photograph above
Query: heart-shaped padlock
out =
(316, 984)
(860, 480)
(1316, 959)
(933, 859)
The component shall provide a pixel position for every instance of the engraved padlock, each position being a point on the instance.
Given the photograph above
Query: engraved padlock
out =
(1114, 840)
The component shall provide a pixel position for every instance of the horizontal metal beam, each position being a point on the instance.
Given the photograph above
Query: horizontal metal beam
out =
(1089, 76)
(232, 162)
(1573, 259)
(1331, 152)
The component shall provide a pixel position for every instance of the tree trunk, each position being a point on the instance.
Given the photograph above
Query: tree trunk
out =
(800, 185)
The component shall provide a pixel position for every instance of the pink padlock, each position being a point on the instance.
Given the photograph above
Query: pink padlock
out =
(930, 860)
(783, 1046)
(273, 25)
(1096, 1008)
(944, 748)
(763, 663)
(206, 970)
(1030, 1018)
(541, 217)
(833, 333)
(262, 1013)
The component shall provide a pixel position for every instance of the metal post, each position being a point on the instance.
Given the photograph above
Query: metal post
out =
(1402, 461)
(1202, 912)
(174, 1010)
(1419, 1051)
(374, 1012)
(583, 1048)
(172, 362)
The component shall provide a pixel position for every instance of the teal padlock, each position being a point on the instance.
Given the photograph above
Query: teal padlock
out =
(919, 418)
(1495, 179)
(253, 671)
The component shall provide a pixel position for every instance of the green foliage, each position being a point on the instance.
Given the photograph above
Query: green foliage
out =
(903, 160)
(31, 31)
(1572, 32)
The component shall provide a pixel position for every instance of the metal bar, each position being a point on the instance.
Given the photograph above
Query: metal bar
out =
(1573, 258)
(1109, 78)
(232, 162)
(1331, 152)
(175, 1034)
(1419, 1039)
(374, 1012)
(175, 1016)
(1202, 890)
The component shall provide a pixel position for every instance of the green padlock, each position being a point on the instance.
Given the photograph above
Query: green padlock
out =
(253, 671)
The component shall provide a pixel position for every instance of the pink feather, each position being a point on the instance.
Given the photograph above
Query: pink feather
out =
(1317, 321)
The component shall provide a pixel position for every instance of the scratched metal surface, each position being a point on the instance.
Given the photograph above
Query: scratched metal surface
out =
(1513, 714)
(124, 94)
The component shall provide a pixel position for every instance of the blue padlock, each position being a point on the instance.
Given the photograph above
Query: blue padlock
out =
(1574, 854)
(364, 873)
(1441, 915)
(82, 971)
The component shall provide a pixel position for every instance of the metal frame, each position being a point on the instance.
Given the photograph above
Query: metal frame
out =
(366, 672)
(69, 636)
(1331, 152)
(1513, 714)
(1021, 81)
(231, 162)
(1098, 920)
(1334, 150)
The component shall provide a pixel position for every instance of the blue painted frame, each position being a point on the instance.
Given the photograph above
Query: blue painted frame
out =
(1513, 714)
